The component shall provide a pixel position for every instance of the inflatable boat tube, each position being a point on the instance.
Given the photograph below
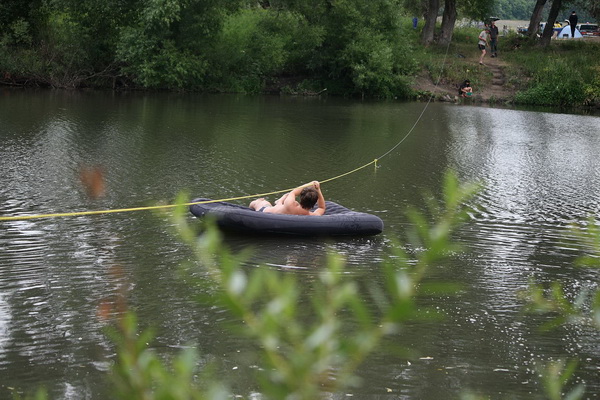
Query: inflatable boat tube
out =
(337, 220)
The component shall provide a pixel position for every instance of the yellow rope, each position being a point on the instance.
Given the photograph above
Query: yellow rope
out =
(121, 210)
(164, 206)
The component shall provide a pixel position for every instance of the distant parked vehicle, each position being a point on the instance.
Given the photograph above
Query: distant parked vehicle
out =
(557, 28)
(589, 29)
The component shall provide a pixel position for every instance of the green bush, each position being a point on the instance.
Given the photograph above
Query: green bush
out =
(562, 74)
(17, 34)
(378, 68)
(166, 44)
(256, 44)
(158, 63)
(61, 58)
(554, 84)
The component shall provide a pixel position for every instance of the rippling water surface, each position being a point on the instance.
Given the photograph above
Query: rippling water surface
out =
(540, 173)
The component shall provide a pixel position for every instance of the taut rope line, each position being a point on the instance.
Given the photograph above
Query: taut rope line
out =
(167, 206)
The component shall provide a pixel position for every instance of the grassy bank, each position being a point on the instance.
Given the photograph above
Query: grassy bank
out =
(565, 74)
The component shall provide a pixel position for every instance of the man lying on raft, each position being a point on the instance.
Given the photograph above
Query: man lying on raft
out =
(310, 194)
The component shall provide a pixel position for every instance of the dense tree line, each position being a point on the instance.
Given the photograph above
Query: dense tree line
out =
(483, 10)
(522, 9)
(350, 47)
(513, 9)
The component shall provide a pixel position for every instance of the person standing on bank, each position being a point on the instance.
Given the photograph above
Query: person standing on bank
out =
(573, 22)
(483, 42)
(494, 39)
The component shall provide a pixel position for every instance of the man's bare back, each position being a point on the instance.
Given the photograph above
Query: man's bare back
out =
(310, 194)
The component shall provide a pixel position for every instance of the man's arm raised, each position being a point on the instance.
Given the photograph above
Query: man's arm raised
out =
(320, 202)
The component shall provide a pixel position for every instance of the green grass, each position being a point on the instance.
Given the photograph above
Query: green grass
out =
(454, 63)
(566, 73)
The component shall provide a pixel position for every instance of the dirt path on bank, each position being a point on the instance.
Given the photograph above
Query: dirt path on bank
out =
(496, 90)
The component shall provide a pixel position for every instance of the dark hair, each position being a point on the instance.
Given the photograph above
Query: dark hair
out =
(308, 197)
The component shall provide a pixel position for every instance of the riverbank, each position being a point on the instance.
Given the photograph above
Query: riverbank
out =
(565, 74)
(496, 91)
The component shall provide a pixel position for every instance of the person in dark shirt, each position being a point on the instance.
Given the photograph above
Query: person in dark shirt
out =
(573, 22)
(494, 39)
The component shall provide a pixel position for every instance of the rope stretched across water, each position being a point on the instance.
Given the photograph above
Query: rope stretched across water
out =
(168, 206)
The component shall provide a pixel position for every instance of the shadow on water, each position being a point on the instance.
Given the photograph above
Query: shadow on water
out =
(307, 254)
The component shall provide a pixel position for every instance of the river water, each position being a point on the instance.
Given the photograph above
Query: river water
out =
(540, 170)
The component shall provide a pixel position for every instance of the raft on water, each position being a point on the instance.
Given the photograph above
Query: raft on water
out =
(337, 220)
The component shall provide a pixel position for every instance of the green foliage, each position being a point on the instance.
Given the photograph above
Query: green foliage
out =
(521, 9)
(308, 345)
(40, 394)
(256, 44)
(139, 374)
(13, 11)
(513, 9)
(478, 10)
(377, 67)
(17, 34)
(566, 74)
(555, 379)
(555, 84)
(65, 52)
(347, 63)
(349, 47)
(159, 64)
(582, 309)
(164, 47)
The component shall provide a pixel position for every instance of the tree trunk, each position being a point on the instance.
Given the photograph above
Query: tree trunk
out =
(536, 17)
(448, 21)
(549, 29)
(430, 16)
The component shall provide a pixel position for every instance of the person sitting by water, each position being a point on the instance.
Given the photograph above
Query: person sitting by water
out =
(465, 89)
(310, 194)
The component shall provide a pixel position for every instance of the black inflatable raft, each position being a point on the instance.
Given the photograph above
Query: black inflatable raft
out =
(337, 221)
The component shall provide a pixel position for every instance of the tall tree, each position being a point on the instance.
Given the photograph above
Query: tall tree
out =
(478, 10)
(549, 29)
(432, 7)
(536, 17)
(448, 21)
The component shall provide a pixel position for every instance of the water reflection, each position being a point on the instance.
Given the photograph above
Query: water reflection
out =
(540, 176)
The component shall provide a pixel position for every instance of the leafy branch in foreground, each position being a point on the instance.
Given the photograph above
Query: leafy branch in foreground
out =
(308, 346)
(140, 374)
(583, 309)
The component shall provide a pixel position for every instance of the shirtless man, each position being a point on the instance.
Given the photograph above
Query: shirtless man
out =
(310, 194)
